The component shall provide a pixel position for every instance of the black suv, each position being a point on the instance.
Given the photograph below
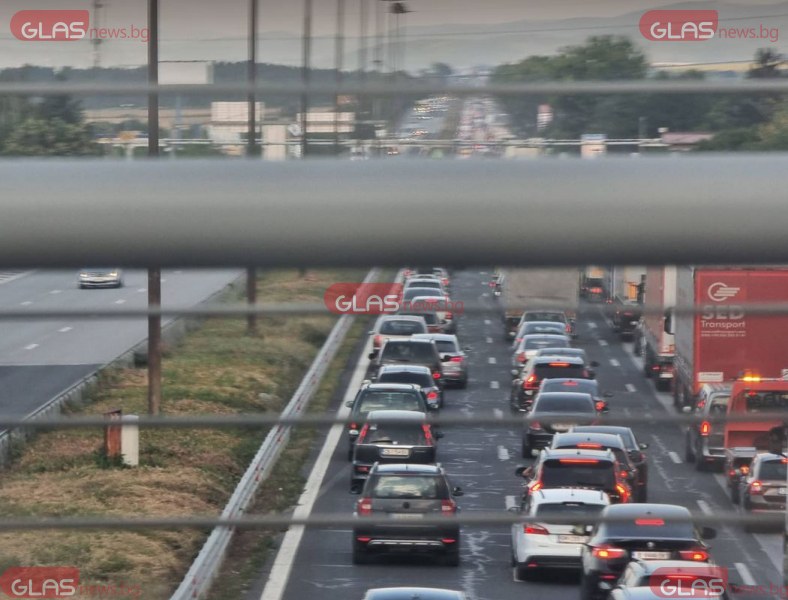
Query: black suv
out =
(625, 316)
(560, 412)
(410, 352)
(526, 383)
(417, 375)
(405, 494)
(381, 396)
(639, 532)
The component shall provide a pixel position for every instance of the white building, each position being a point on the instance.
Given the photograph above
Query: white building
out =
(229, 122)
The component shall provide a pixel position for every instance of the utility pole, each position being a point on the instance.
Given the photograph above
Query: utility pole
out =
(154, 274)
(251, 135)
(339, 48)
(305, 75)
(362, 40)
(96, 41)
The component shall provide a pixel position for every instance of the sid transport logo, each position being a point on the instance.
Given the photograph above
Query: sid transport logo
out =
(679, 25)
(719, 292)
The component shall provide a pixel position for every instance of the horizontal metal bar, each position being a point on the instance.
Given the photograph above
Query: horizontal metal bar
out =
(247, 421)
(346, 519)
(643, 211)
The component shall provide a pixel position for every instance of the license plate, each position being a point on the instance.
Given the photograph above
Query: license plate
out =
(666, 375)
(571, 539)
(651, 555)
(395, 451)
(406, 516)
(562, 426)
(782, 491)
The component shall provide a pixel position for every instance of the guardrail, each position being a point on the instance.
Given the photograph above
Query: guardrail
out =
(205, 567)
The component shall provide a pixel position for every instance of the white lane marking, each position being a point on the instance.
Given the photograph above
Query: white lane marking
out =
(65, 329)
(121, 301)
(630, 387)
(602, 342)
(489, 340)
(592, 325)
(487, 322)
(614, 362)
(55, 291)
(285, 557)
(8, 276)
(498, 413)
(704, 507)
(511, 502)
(494, 385)
(31, 346)
(675, 457)
(142, 289)
(492, 360)
(503, 453)
(744, 571)
(26, 303)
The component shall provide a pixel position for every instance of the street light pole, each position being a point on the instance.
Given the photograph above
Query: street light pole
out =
(362, 39)
(305, 74)
(251, 135)
(339, 48)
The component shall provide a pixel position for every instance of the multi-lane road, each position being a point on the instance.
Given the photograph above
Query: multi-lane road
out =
(316, 563)
(40, 358)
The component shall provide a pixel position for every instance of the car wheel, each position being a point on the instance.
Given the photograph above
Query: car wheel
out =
(586, 589)
(360, 557)
(463, 383)
(523, 573)
(689, 454)
(350, 453)
(734, 495)
(526, 449)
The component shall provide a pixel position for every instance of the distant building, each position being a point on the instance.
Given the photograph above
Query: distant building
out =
(229, 122)
(322, 120)
(678, 141)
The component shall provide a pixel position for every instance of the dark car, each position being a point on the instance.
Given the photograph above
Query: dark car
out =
(584, 469)
(705, 441)
(763, 488)
(410, 352)
(625, 315)
(531, 327)
(601, 441)
(405, 494)
(411, 593)
(526, 384)
(392, 436)
(556, 412)
(574, 384)
(635, 449)
(638, 532)
(381, 396)
(417, 375)
(455, 369)
(737, 465)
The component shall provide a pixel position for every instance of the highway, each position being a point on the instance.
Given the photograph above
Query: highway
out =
(482, 461)
(40, 358)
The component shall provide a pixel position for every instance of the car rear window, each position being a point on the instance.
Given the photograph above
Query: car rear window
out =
(415, 292)
(584, 386)
(446, 346)
(422, 379)
(407, 486)
(395, 434)
(375, 400)
(408, 352)
(553, 372)
(545, 316)
(773, 470)
(650, 527)
(568, 472)
(532, 327)
(429, 317)
(536, 343)
(568, 509)
(564, 404)
(402, 327)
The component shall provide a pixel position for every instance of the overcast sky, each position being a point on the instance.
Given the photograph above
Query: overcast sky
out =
(211, 29)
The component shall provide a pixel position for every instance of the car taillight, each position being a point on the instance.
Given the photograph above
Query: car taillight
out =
(377, 341)
(432, 396)
(705, 428)
(364, 506)
(521, 357)
(697, 555)
(536, 486)
(353, 427)
(624, 473)
(436, 375)
(568, 328)
(363, 432)
(596, 290)
(427, 433)
(600, 406)
(622, 492)
(744, 469)
(449, 316)
(530, 383)
(589, 446)
(362, 469)
(456, 359)
(608, 552)
(534, 529)
(535, 425)
(448, 506)
(756, 487)
(445, 281)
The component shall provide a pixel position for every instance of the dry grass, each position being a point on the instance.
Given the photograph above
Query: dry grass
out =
(217, 370)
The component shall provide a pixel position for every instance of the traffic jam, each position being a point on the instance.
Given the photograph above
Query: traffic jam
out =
(564, 347)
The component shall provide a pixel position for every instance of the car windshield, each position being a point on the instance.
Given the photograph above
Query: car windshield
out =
(564, 404)
(408, 352)
(624, 433)
(773, 470)
(598, 474)
(447, 346)
(568, 509)
(379, 400)
(379, 433)
(422, 379)
(405, 486)
(767, 401)
(402, 327)
(545, 316)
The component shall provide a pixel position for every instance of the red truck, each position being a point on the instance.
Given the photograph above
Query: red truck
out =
(755, 396)
(657, 345)
(721, 343)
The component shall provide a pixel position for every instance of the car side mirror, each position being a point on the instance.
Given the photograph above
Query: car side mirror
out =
(466, 348)
(643, 446)
(349, 403)
(437, 435)
(591, 374)
(686, 409)
(457, 491)
(515, 372)
(607, 395)
(355, 490)
(593, 363)
(708, 533)
(520, 471)
(371, 332)
(371, 355)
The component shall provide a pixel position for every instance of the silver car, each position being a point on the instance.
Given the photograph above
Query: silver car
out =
(100, 277)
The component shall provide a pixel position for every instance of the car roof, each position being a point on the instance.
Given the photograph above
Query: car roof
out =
(583, 495)
(552, 453)
(605, 439)
(407, 341)
(561, 351)
(399, 415)
(409, 468)
(645, 593)
(567, 395)
(383, 318)
(399, 368)
(565, 380)
(413, 593)
(614, 429)
(393, 387)
(438, 337)
(572, 360)
(648, 510)
(542, 324)
(764, 456)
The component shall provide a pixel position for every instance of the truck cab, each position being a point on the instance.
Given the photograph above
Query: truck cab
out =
(754, 396)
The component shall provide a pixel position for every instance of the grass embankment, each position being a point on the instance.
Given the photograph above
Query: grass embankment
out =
(216, 370)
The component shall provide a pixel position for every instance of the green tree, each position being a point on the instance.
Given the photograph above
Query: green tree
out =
(49, 137)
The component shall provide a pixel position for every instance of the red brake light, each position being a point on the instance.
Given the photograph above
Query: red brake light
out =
(521, 357)
(362, 469)
(600, 405)
(571, 383)
(427, 433)
(578, 461)
(624, 473)
(756, 487)
(363, 432)
(596, 290)
(530, 383)
(568, 328)
(536, 486)
(449, 316)
(697, 555)
(589, 445)
(533, 529)
(535, 425)
(432, 396)
(364, 506)
(377, 341)
(353, 426)
(744, 469)
(448, 506)
(559, 364)
(650, 522)
(608, 552)
(456, 359)
(622, 492)
(436, 375)
(705, 428)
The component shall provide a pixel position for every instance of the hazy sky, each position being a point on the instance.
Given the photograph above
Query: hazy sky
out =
(211, 29)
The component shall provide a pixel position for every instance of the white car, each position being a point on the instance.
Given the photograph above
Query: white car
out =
(530, 344)
(100, 277)
(542, 545)
(395, 327)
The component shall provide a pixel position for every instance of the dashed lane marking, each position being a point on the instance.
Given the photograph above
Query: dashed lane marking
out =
(602, 342)
(675, 457)
(704, 507)
(614, 362)
(489, 340)
(31, 346)
(498, 413)
(503, 453)
(491, 360)
(26, 303)
(630, 387)
(511, 502)
(744, 572)
(487, 322)
(494, 385)
(65, 329)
